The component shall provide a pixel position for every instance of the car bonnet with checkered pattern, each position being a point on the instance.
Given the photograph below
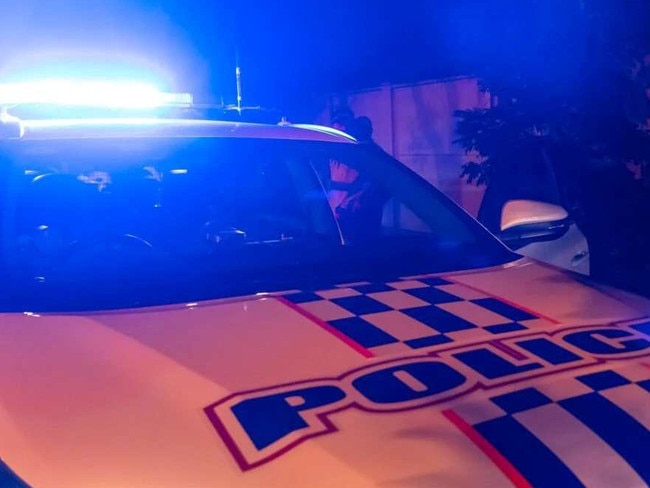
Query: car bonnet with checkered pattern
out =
(515, 375)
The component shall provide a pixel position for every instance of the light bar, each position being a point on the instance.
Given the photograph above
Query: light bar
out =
(90, 94)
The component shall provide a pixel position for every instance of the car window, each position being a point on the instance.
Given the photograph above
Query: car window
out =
(189, 219)
(364, 187)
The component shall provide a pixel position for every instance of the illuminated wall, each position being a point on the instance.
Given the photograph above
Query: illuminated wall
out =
(416, 124)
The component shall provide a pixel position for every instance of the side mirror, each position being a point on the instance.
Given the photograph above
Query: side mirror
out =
(525, 221)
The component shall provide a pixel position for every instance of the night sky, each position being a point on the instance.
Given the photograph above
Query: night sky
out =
(290, 51)
(287, 48)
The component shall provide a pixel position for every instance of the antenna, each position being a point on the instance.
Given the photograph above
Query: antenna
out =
(238, 81)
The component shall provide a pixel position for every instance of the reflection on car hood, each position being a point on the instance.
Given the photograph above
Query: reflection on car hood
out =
(513, 375)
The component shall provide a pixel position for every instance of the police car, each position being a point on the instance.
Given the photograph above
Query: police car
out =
(200, 303)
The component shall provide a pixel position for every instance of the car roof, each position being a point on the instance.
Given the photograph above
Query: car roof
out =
(156, 127)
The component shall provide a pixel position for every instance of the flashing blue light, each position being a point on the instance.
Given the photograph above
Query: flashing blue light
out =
(106, 94)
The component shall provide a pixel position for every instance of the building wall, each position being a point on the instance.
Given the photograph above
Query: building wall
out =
(416, 124)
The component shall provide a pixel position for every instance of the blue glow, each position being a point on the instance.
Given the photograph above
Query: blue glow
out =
(109, 94)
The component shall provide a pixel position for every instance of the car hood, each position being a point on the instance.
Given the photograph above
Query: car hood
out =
(512, 375)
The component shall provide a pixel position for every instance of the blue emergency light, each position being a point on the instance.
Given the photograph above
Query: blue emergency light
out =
(101, 94)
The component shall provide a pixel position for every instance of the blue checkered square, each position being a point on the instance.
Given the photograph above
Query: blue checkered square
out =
(363, 332)
(504, 328)
(645, 384)
(361, 305)
(435, 281)
(372, 288)
(603, 380)
(433, 295)
(438, 319)
(503, 309)
(302, 297)
(435, 340)
(521, 400)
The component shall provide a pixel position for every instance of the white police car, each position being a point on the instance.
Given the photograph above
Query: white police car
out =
(182, 308)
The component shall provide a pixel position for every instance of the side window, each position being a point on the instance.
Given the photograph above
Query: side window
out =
(399, 217)
(366, 208)
(356, 201)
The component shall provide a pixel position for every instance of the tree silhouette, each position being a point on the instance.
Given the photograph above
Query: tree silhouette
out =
(570, 85)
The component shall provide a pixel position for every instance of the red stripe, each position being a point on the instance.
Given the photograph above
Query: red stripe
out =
(504, 300)
(646, 365)
(488, 449)
(327, 327)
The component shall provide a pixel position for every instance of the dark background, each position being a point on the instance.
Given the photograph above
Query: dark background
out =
(291, 52)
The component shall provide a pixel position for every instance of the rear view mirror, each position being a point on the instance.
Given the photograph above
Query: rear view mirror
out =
(526, 221)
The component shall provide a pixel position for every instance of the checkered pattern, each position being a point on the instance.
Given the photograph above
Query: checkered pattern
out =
(388, 318)
(592, 429)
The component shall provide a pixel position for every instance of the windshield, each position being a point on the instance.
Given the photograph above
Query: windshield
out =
(100, 224)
